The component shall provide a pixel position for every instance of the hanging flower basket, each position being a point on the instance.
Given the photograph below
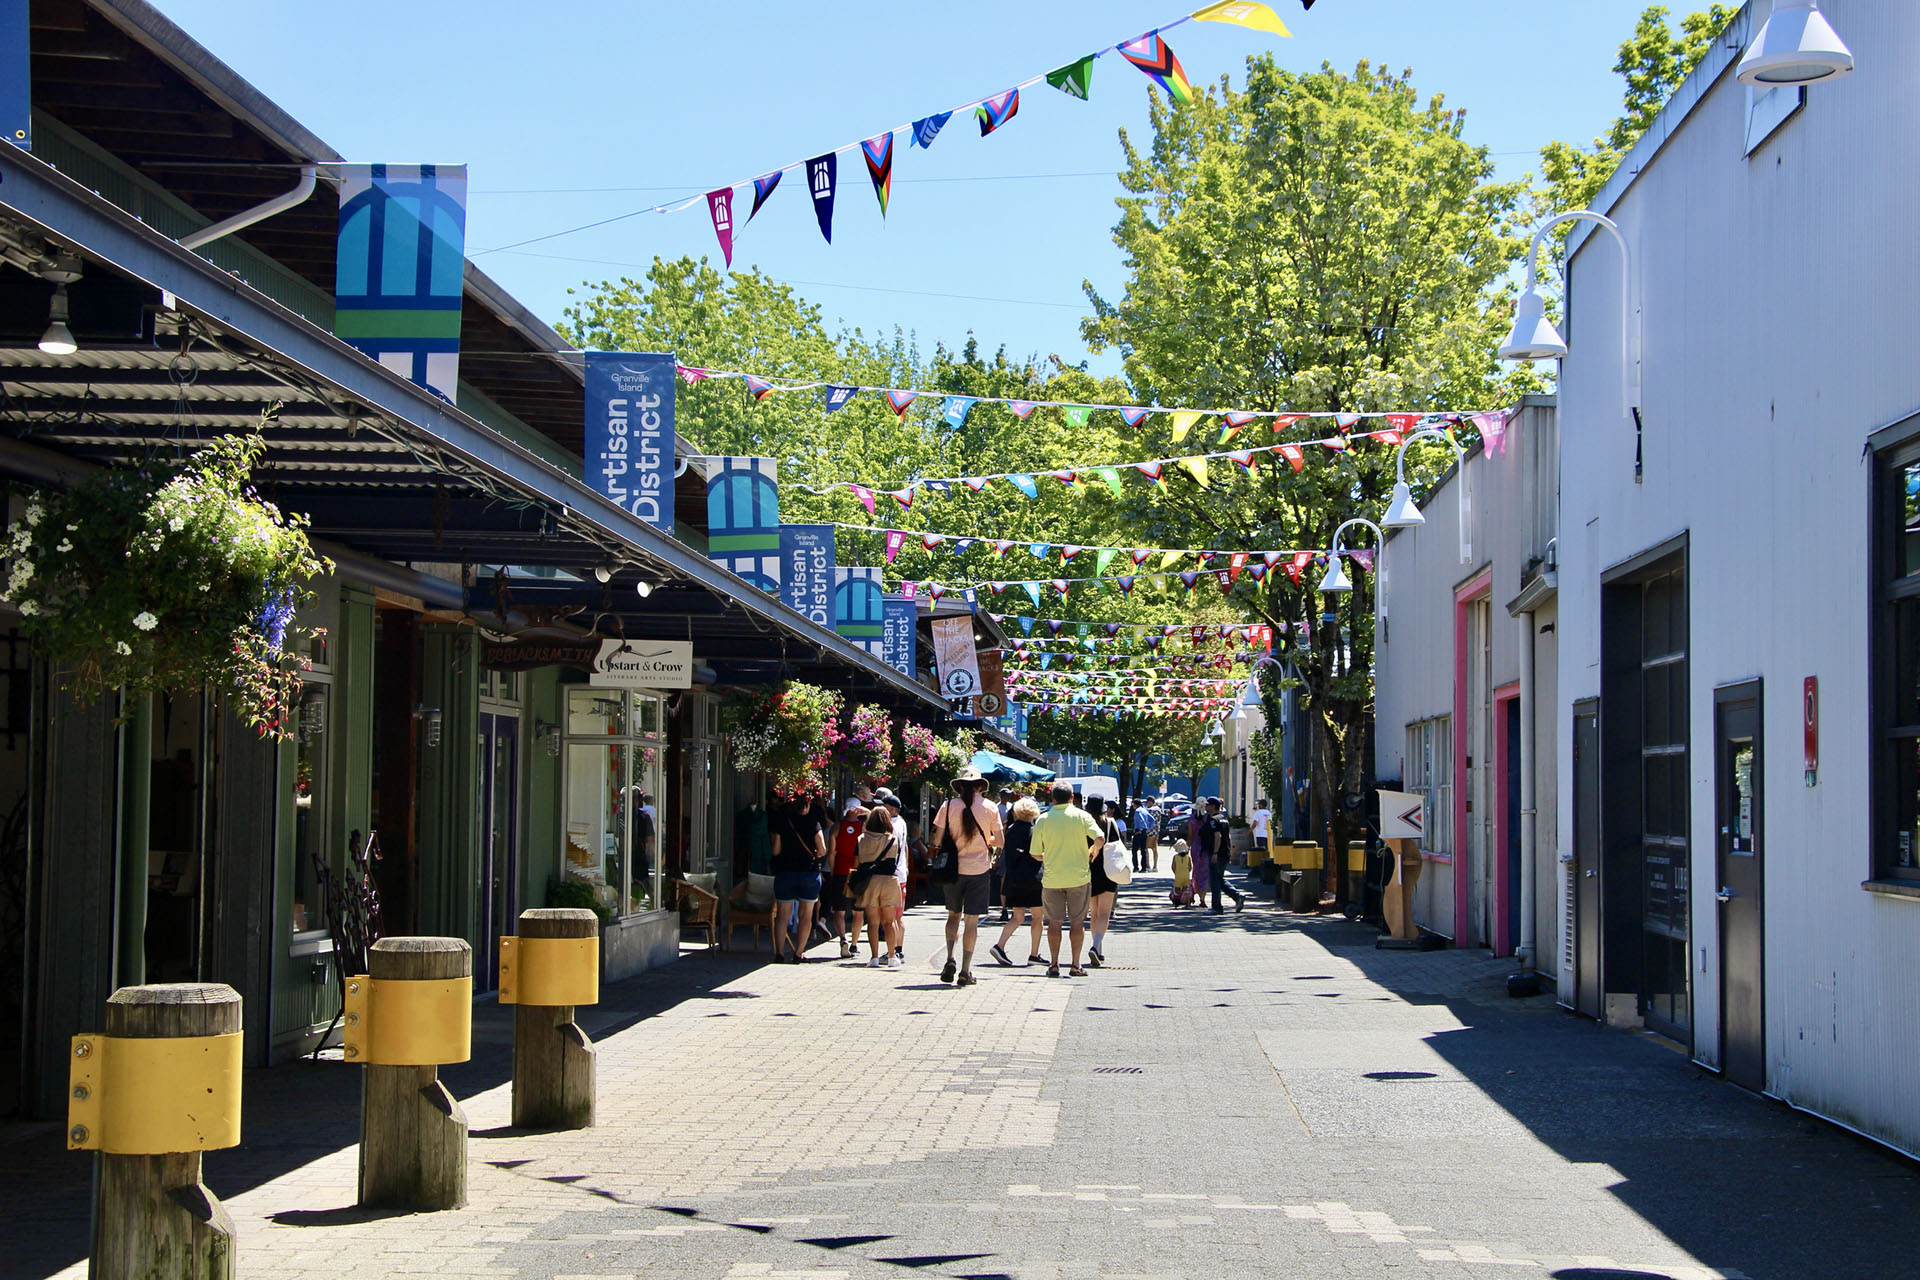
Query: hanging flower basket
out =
(789, 732)
(169, 576)
(918, 750)
(866, 748)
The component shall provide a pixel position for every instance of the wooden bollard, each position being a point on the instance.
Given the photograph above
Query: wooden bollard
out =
(154, 1218)
(413, 1135)
(553, 1062)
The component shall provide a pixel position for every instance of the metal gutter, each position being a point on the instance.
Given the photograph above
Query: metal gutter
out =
(72, 214)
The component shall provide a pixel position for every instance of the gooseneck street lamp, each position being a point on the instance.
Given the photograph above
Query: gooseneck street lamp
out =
(1404, 513)
(1336, 579)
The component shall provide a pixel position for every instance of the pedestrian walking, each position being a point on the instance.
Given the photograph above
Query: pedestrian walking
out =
(996, 885)
(1142, 824)
(1020, 876)
(1104, 891)
(1219, 837)
(1066, 840)
(876, 889)
(846, 856)
(1262, 825)
(1197, 851)
(903, 848)
(967, 829)
(799, 853)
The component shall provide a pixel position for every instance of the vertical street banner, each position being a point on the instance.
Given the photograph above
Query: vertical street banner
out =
(899, 636)
(743, 519)
(955, 658)
(806, 557)
(399, 268)
(16, 89)
(991, 702)
(859, 612)
(629, 440)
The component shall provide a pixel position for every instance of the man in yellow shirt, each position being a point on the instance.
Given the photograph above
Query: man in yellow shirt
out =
(1066, 840)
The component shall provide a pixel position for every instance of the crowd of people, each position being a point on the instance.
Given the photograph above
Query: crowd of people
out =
(1046, 861)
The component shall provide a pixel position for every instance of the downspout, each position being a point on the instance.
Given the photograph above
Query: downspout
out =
(1524, 953)
(259, 213)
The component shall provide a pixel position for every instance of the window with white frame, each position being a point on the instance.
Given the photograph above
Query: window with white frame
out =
(1429, 774)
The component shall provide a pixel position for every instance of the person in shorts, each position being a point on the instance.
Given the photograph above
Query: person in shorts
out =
(1066, 841)
(1020, 873)
(846, 853)
(799, 851)
(974, 825)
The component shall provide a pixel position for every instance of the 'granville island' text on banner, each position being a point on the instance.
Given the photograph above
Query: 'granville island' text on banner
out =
(629, 446)
(806, 551)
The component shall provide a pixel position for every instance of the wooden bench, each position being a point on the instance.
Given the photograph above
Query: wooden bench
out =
(739, 913)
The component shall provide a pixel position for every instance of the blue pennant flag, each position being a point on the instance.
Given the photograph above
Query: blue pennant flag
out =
(963, 544)
(957, 407)
(838, 397)
(1033, 591)
(1026, 625)
(926, 129)
(938, 486)
(973, 601)
(1039, 549)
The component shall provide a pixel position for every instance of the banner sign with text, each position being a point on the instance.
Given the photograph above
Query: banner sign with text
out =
(400, 269)
(955, 657)
(743, 519)
(900, 634)
(643, 664)
(806, 553)
(629, 445)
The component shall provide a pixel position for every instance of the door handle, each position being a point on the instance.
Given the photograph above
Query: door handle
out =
(1726, 894)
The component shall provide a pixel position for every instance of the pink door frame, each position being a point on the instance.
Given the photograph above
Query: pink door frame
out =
(1503, 886)
(1477, 587)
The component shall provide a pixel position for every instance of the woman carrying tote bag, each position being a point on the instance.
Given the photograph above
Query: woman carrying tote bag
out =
(1105, 886)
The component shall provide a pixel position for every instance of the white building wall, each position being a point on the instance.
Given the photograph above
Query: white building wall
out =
(1781, 296)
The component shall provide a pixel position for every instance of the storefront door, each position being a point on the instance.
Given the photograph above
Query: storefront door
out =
(1738, 821)
(499, 838)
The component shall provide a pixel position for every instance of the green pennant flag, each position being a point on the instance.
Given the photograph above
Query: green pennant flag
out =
(1078, 414)
(1112, 476)
(1102, 560)
(1074, 78)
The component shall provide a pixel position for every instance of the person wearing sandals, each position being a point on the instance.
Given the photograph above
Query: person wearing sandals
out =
(1066, 840)
(1020, 880)
(875, 860)
(1104, 890)
(972, 826)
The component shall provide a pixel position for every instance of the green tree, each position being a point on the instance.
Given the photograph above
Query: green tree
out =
(1127, 744)
(1322, 242)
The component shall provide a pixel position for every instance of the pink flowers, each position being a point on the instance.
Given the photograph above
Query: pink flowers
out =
(866, 747)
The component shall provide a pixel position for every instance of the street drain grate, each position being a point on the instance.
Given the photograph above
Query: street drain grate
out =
(1116, 1071)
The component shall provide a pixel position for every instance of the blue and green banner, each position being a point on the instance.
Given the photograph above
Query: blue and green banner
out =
(629, 432)
(858, 606)
(16, 64)
(806, 554)
(898, 634)
(743, 519)
(400, 267)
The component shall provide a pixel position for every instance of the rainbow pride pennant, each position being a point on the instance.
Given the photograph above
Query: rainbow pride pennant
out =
(760, 388)
(901, 400)
(1135, 415)
(879, 154)
(762, 188)
(996, 111)
(1155, 59)
(1021, 408)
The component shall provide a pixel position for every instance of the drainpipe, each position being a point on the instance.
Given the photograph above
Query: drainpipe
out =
(1525, 952)
(130, 968)
(259, 213)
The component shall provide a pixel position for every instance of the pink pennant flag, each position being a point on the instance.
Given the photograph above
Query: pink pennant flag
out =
(690, 375)
(1294, 454)
(1362, 558)
(1492, 426)
(864, 494)
(902, 496)
(908, 590)
(895, 539)
(1021, 408)
(720, 206)
(900, 400)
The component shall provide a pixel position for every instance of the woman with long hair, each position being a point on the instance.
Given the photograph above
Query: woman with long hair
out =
(1020, 880)
(968, 827)
(1104, 889)
(877, 858)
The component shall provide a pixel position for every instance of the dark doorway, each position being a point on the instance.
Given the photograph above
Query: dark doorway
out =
(1586, 859)
(1510, 823)
(499, 839)
(1738, 820)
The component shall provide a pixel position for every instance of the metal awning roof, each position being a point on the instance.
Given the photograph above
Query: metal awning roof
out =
(380, 465)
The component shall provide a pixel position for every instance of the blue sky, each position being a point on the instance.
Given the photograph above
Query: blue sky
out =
(601, 108)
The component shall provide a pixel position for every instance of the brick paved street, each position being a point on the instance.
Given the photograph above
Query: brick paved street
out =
(1257, 1094)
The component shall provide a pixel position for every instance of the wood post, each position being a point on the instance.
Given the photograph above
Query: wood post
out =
(154, 1219)
(1397, 905)
(413, 1135)
(553, 1062)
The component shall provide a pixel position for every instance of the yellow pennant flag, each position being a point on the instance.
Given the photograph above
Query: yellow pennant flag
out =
(1183, 420)
(1244, 13)
(1197, 468)
(1171, 559)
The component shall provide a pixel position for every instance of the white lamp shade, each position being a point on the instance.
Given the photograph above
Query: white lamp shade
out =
(1796, 45)
(58, 340)
(1533, 336)
(1403, 512)
(1336, 579)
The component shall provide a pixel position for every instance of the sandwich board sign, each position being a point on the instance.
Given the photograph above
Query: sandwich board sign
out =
(1403, 815)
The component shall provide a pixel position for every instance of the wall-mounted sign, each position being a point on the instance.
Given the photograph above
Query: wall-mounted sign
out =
(629, 427)
(743, 519)
(643, 664)
(1403, 816)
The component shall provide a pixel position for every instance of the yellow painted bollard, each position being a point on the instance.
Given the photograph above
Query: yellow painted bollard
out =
(407, 1017)
(158, 1088)
(1307, 864)
(547, 972)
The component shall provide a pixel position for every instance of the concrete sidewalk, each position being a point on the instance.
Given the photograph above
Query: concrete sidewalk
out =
(1259, 1094)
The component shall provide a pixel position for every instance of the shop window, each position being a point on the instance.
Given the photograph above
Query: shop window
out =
(614, 771)
(311, 795)
(1429, 774)
(1896, 692)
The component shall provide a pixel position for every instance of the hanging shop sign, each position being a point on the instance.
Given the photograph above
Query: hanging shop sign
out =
(642, 664)
(955, 657)
(629, 399)
(528, 657)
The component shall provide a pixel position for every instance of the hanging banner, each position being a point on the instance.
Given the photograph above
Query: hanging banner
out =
(16, 88)
(858, 607)
(955, 657)
(993, 683)
(898, 634)
(820, 175)
(806, 552)
(720, 209)
(629, 426)
(743, 519)
(400, 266)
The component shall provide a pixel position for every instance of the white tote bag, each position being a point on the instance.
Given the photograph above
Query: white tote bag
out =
(1118, 861)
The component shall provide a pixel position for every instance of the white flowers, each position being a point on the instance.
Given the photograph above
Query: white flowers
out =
(122, 648)
(145, 621)
(34, 513)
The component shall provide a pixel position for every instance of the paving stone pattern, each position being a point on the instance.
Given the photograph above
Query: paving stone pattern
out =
(1257, 1094)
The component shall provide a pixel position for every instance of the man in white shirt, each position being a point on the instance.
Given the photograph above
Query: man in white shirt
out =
(1262, 822)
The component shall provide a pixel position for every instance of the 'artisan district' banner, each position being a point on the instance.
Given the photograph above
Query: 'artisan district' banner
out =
(806, 551)
(899, 630)
(743, 519)
(400, 267)
(629, 425)
(859, 611)
(16, 89)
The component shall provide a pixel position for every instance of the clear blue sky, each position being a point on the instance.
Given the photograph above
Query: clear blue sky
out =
(553, 104)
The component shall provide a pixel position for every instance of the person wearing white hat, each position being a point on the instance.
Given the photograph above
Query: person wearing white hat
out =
(966, 834)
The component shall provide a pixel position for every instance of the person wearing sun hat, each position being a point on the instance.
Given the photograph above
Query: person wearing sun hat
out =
(973, 825)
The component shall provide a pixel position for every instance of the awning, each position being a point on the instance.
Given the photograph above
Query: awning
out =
(992, 764)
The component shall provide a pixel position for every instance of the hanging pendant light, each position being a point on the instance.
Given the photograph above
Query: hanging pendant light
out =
(1403, 512)
(58, 339)
(1336, 579)
(1796, 45)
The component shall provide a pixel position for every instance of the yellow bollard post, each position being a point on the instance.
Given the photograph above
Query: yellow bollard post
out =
(547, 972)
(408, 1016)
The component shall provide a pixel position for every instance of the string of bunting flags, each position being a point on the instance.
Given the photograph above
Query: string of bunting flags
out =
(1102, 556)
(1148, 52)
(1239, 563)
